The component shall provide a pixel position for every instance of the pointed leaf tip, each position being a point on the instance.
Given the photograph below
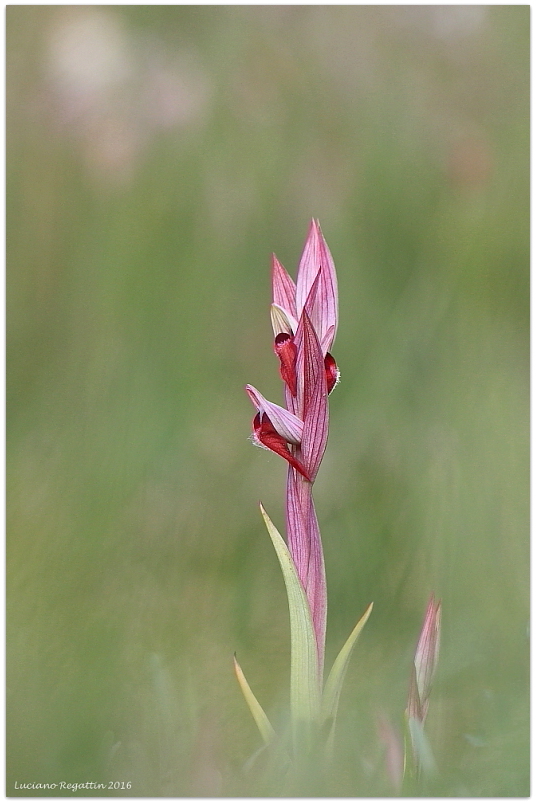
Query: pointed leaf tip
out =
(332, 690)
(263, 724)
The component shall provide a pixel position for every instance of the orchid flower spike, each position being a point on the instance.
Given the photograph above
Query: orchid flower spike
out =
(304, 317)
(422, 673)
(315, 294)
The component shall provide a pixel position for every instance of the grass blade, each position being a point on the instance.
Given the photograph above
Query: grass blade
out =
(259, 715)
(332, 690)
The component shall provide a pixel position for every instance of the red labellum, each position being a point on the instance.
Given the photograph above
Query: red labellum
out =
(266, 434)
(332, 372)
(286, 350)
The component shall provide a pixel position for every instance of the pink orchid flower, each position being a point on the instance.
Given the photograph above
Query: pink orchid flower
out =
(304, 319)
(425, 661)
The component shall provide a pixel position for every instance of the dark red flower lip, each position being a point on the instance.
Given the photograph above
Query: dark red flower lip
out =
(287, 425)
(265, 435)
(287, 351)
(332, 372)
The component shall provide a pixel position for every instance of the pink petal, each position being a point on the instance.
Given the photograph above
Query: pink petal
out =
(425, 662)
(427, 652)
(327, 340)
(308, 267)
(289, 426)
(316, 258)
(283, 288)
(329, 293)
(315, 399)
(299, 341)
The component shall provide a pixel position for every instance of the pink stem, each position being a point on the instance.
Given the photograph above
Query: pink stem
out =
(305, 545)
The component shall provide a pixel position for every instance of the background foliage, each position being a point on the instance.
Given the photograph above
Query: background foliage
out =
(156, 157)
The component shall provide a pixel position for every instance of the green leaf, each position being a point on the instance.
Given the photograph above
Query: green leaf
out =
(304, 678)
(332, 690)
(259, 715)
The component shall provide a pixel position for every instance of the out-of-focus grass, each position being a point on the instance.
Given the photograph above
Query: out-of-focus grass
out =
(156, 156)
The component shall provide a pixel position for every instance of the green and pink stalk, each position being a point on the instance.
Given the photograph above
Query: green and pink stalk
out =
(304, 318)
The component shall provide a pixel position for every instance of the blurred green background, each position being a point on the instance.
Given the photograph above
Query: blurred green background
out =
(156, 156)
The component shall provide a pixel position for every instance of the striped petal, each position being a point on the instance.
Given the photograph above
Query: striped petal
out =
(289, 426)
(427, 652)
(315, 399)
(316, 259)
(328, 294)
(327, 340)
(308, 268)
(283, 288)
(299, 341)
